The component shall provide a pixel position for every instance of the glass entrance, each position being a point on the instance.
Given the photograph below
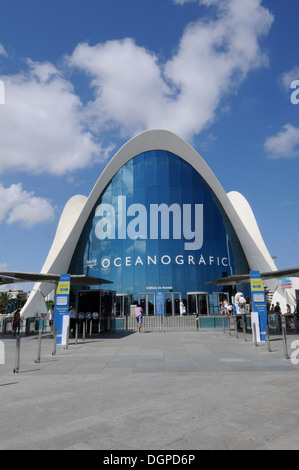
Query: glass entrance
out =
(123, 304)
(198, 303)
(214, 301)
(147, 302)
(171, 303)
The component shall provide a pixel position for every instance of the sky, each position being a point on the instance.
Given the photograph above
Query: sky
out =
(78, 79)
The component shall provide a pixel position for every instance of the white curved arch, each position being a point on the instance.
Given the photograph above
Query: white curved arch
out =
(79, 208)
(60, 254)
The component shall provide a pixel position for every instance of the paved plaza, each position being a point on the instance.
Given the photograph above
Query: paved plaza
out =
(163, 391)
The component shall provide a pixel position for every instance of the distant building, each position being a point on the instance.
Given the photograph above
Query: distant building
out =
(21, 294)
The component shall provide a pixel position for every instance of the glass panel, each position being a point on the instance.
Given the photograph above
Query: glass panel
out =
(202, 302)
(150, 304)
(168, 304)
(118, 305)
(192, 307)
(142, 302)
(177, 298)
(127, 304)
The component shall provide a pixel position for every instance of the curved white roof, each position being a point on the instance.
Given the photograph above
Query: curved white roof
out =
(78, 209)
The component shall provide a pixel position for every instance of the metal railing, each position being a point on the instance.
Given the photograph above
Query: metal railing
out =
(238, 325)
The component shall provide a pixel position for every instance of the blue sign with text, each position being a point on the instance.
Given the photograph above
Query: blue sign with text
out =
(160, 304)
(61, 316)
(259, 302)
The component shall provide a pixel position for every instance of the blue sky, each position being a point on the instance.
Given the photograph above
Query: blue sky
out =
(81, 78)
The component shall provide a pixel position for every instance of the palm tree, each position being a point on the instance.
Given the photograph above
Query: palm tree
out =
(5, 299)
(20, 300)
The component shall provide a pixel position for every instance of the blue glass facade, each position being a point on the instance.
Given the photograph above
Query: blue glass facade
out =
(158, 226)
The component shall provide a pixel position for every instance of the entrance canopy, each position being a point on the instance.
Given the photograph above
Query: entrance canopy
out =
(9, 277)
(240, 278)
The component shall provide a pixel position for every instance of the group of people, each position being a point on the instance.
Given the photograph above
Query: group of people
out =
(244, 306)
(277, 309)
(225, 308)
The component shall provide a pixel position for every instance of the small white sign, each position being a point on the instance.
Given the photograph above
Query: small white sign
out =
(62, 300)
(255, 321)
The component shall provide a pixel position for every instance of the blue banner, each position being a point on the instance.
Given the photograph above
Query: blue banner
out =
(259, 302)
(61, 315)
(160, 304)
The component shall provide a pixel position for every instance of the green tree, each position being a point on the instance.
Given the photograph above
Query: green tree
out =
(5, 299)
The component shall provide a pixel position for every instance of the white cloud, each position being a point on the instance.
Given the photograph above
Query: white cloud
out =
(44, 126)
(41, 127)
(3, 51)
(286, 78)
(134, 91)
(19, 205)
(182, 2)
(284, 144)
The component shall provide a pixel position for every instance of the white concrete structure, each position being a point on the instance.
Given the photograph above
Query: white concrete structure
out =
(78, 209)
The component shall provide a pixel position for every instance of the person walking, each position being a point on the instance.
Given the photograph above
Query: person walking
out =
(182, 308)
(16, 322)
(138, 315)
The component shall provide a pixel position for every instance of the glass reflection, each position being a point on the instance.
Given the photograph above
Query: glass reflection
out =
(136, 265)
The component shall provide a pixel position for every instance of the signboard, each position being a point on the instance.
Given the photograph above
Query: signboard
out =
(259, 303)
(285, 284)
(61, 316)
(160, 304)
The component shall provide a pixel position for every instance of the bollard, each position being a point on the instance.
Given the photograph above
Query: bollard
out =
(54, 342)
(244, 327)
(254, 334)
(285, 346)
(39, 347)
(90, 328)
(228, 321)
(18, 350)
(236, 327)
(67, 338)
(83, 331)
(223, 324)
(76, 332)
(268, 338)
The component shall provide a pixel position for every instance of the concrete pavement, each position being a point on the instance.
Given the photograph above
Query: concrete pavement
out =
(151, 391)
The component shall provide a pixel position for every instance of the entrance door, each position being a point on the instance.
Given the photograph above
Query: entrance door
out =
(172, 303)
(147, 302)
(214, 300)
(198, 302)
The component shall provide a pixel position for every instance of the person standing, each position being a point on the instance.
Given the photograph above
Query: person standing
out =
(138, 315)
(50, 315)
(16, 322)
(278, 313)
(225, 307)
(248, 305)
(182, 308)
(73, 319)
